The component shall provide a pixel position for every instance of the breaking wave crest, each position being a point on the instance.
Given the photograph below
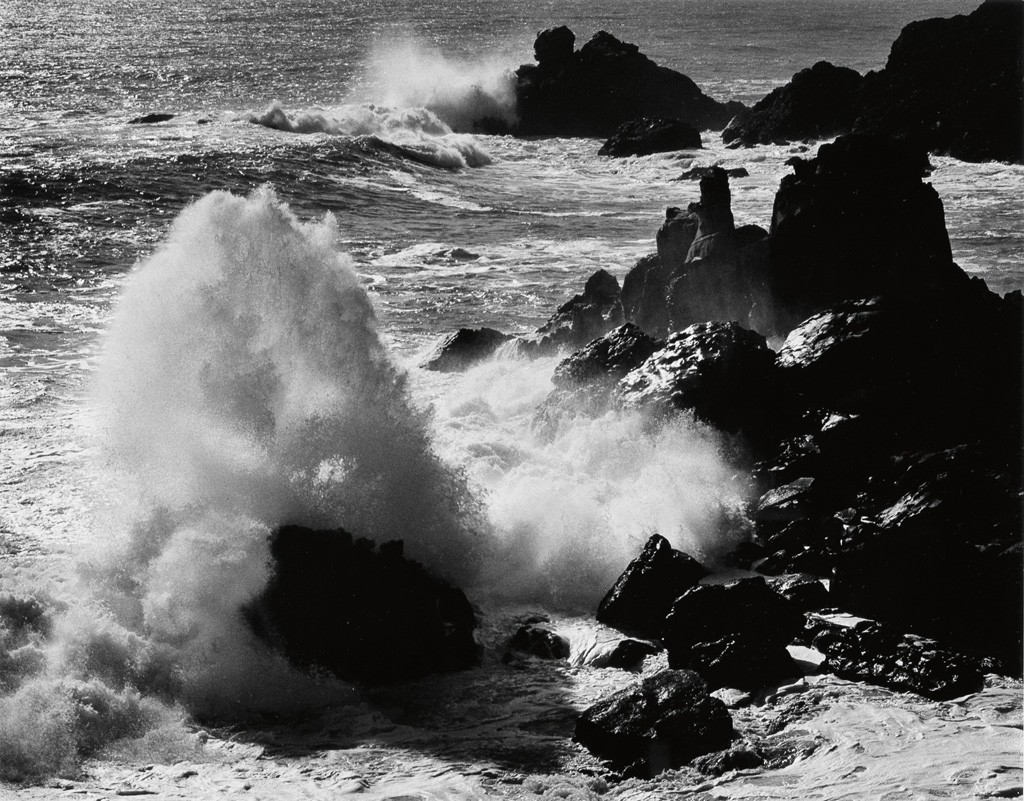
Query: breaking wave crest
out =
(414, 133)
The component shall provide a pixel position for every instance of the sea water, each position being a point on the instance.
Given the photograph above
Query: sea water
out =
(212, 326)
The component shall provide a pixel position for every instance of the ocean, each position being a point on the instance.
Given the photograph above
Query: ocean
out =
(213, 325)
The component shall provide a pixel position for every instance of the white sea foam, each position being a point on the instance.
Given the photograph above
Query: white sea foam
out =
(416, 132)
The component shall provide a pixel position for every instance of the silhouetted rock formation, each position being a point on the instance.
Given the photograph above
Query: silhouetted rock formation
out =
(660, 723)
(464, 348)
(364, 614)
(594, 90)
(646, 136)
(583, 318)
(956, 86)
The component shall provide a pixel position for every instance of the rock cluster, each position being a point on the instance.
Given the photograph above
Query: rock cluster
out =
(602, 85)
(954, 85)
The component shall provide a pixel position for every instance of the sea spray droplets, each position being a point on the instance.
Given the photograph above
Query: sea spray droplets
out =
(244, 386)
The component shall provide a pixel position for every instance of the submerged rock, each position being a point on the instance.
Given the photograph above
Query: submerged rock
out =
(150, 119)
(465, 347)
(646, 136)
(366, 615)
(604, 84)
(540, 642)
(660, 723)
(644, 593)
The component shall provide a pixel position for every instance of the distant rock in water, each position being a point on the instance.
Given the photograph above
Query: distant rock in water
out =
(955, 86)
(818, 103)
(604, 84)
(150, 119)
(365, 614)
(465, 347)
(696, 173)
(658, 724)
(646, 136)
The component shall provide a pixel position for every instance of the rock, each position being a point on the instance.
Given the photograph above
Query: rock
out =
(660, 723)
(881, 655)
(739, 757)
(721, 372)
(601, 86)
(554, 46)
(647, 588)
(366, 615)
(737, 633)
(465, 347)
(818, 103)
(150, 119)
(607, 359)
(644, 290)
(630, 654)
(804, 591)
(584, 317)
(696, 173)
(540, 642)
(856, 222)
(646, 136)
(952, 85)
(955, 85)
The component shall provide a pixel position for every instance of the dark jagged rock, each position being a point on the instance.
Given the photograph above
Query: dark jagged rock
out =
(856, 222)
(601, 86)
(464, 348)
(540, 642)
(644, 290)
(818, 103)
(881, 655)
(150, 119)
(646, 136)
(647, 588)
(735, 633)
(696, 173)
(720, 371)
(607, 359)
(658, 724)
(955, 86)
(584, 317)
(364, 614)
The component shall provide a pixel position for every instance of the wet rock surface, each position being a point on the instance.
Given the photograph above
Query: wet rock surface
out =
(464, 348)
(659, 723)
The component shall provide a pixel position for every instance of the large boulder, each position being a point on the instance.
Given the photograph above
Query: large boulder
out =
(464, 348)
(660, 723)
(881, 655)
(733, 634)
(648, 135)
(604, 84)
(721, 372)
(365, 614)
(818, 103)
(643, 595)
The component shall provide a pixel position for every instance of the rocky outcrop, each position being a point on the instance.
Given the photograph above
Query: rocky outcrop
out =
(604, 84)
(955, 86)
(660, 723)
(540, 642)
(365, 614)
(464, 348)
(734, 635)
(584, 317)
(643, 595)
(150, 119)
(881, 655)
(818, 103)
(721, 372)
(646, 136)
